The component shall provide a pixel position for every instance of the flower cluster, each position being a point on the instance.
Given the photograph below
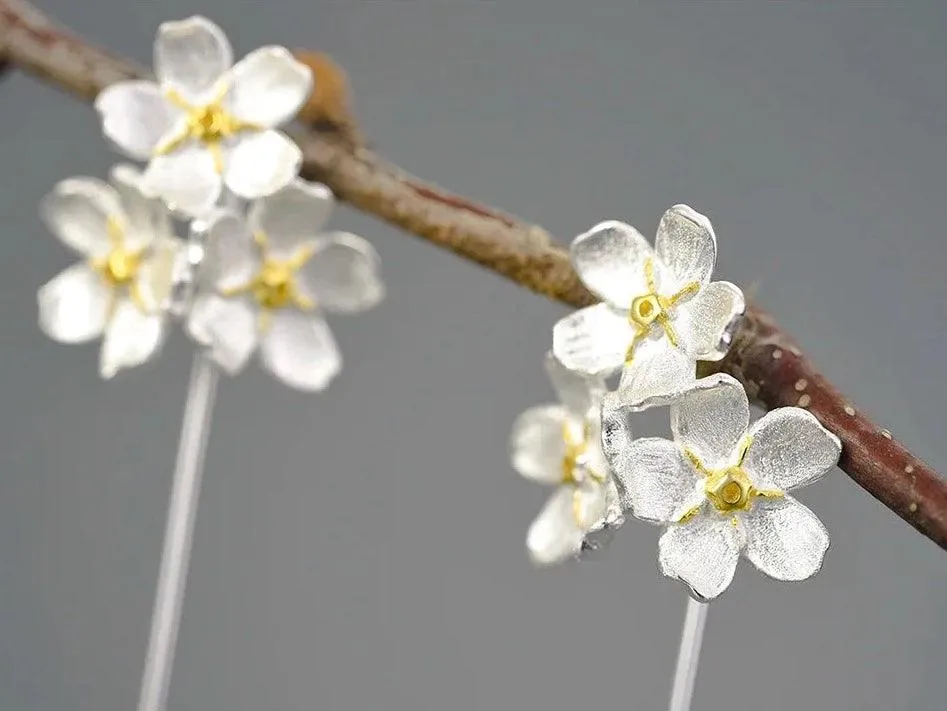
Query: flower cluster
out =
(208, 131)
(721, 486)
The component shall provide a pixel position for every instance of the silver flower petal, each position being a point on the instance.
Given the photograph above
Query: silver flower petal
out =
(299, 349)
(577, 391)
(137, 117)
(610, 260)
(227, 327)
(78, 211)
(148, 219)
(291, 217)
(789, 449)
(131, 338)
(187, 180)
(593, 340)
(536, 444)
(261, 164)
(658, 482)
(556, 535)
(657, 372)
(156, 277)
(269, 87)
(232, 257)
(73, 307)
(705, 324)
(710, 419)
(785, 540)
(343, 273)
(702, 553)
(686, 246)
(190, 56)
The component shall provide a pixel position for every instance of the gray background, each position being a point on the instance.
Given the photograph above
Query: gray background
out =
(363, 549)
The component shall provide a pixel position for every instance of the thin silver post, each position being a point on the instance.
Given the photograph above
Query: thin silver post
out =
(178, 535)
(688, 655)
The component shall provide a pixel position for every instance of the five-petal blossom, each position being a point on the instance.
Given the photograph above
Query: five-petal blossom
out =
(661, 313)
(208, 123)
(123, 288)
(721, 486)
(561, 445)
(268, 278)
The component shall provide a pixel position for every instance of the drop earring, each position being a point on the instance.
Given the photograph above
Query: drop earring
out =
(255, 275)
(720, 487)
(660, 314)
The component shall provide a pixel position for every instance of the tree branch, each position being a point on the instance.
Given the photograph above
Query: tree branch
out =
(763, 357)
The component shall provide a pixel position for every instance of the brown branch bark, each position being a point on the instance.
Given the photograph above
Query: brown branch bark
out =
(764, 358)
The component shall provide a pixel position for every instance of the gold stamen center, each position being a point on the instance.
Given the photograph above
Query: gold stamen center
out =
(652, 307)
(121, 267)
(210, 123)
(645, 309)
(274, 287)
(729, 489)
(731, 493)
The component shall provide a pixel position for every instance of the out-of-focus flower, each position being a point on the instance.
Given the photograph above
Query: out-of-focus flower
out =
(207, 123)
(560, 445)
(121, 290)
(269, 277)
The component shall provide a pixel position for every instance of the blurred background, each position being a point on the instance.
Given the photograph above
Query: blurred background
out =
(363, 548)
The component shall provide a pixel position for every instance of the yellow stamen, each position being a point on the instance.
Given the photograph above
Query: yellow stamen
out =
(685, 293)
(577, 509)
(689, 514)
(668, 327)
(217, 154)
(210, 124)
(652, 307)
(570, 456)
(729, 489)
(115, 231)
(744, 446)
(274, 286)
(649, 275)
(696, 463)
(120, 266)
(264, 321)
(630, 353)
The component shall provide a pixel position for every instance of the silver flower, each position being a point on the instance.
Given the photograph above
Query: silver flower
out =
(561, 445)
(208, 123)
(721, 486)
(122, 289)
(661, 313)
(267, 279)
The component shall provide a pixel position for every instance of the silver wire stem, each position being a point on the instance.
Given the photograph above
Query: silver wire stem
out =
(178, 535)
(688, 655)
